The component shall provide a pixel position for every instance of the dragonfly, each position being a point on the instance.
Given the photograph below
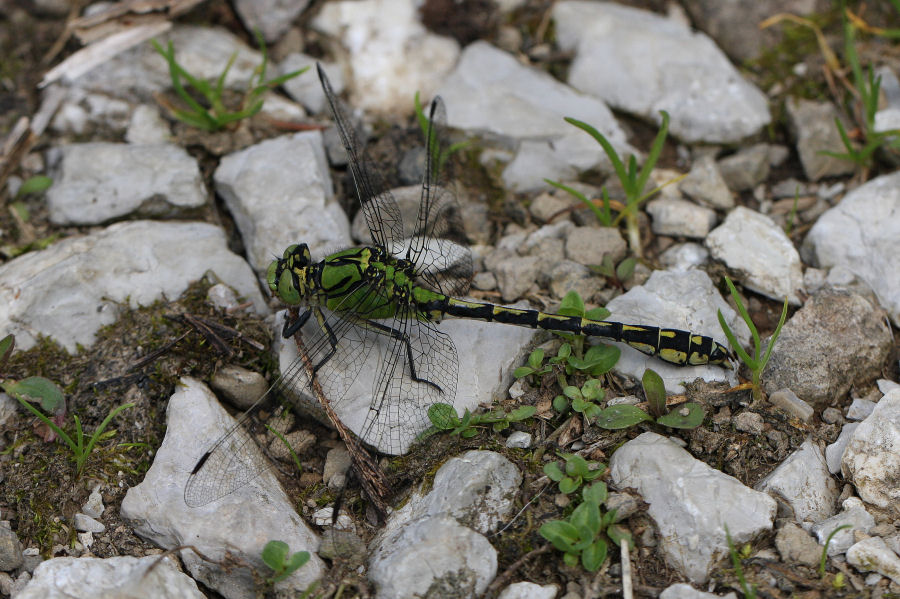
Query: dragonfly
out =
(386, 300)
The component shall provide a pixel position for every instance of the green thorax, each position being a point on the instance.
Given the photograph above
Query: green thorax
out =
(366, 280)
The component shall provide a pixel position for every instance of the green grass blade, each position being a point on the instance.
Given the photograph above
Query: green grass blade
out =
(746, 316)
(655, 151)
(775, 334)
(294, 456)
(102, 427)
(59, 432)
(733, 342)
(607, 147)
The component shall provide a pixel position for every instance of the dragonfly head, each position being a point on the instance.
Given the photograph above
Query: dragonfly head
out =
(286, 276)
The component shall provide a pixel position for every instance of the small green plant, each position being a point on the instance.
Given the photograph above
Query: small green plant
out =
(51, 399)
(824, 556)
(575, 358)
(215, 115)
(438, 158)
(583, 536)
(582, 399)
(632, 180)
(755, 364)
(35, 185)
(535, 366)
(792, 215)
(617, 275)
(277, 556)
(577, 472)
(749, 591)
(293, 454)
(444, 418)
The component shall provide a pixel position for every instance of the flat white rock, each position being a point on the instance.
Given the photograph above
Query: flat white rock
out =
(123, 576)
(752, 243)
(486, 353)
(240, 523)
(685, 300)
(391, 54)
(280, 193)
(490, 92)
(97, 182)
(690, 503)
(77, 285)
(642, 63)
(862, 235)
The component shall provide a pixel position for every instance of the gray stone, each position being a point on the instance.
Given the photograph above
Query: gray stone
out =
(147, 126)
(434, 554)
(873, 554)
(853, 514)
(305, 88)
(337, 463)
(123, 576)
(681, 590)
(871, 461)
(77, 285)
(705, 184)
(588, 245)
(835, 340)
(272, 18)
(415, 58)
(749, 422)
(519, 440)
(516, 275)
(93, 507)
(157, 511)
(860, 234)
(84, 523)
(491, 92)
(528, 590)
(642, 63)
(280, 193)
(815, 132)
(747, 168)
(752, 243)
(10, 550)
(684, 256)
(860, 409)
(680, 218)
(548, 205)
(97, 182)
(241, 387)
(796, 545)
(688, 500)
(788, 401)
(802, 485)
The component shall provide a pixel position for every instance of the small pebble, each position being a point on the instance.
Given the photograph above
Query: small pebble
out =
(519, 439)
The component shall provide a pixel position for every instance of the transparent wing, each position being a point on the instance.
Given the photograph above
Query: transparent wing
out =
(378, 205)
(438, 246)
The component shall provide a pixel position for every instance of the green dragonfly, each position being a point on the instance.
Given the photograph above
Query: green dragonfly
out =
(387, 300)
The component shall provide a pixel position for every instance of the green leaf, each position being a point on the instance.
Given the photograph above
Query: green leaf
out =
(297, 560)
(570, 559)
(523, 371)
(621, 416)
(594, 556)
(568, 485)
(572, 392)
(571, 305)
(468, 433)
(576, 465)
(443, 416)
(561, 534)
(274, 554)
(565, 350)
(625, 269)
(689, 415)
(580, 405)
(598, 313)
(560, 404)
(38, 388)
(592, 389)
(655, 391)
(551, 469)
(7, 344)
(500, 426)
(602, 358)
(522, 413)
(587, 515)
(619, 534)
(535, 358)
(595, 493)
(36, 184)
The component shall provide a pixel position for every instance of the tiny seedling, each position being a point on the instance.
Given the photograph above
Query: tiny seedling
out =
(616, 275)
(277, 556)
(215, 115)
(582, 537)
(293, 454)
(749, 590)
(535, 366)
(577, 472)
(755, 364)
(51, 399)
(632, 180)
(444, 418)
(688, 415)
(35, 185)
(824, 555)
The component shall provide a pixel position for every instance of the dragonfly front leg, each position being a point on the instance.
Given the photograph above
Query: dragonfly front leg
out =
(404, 339)
(290, 328)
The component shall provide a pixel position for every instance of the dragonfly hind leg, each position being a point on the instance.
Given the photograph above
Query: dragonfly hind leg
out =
(404, 339)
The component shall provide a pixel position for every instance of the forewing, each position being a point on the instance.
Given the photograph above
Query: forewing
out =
(377, 203)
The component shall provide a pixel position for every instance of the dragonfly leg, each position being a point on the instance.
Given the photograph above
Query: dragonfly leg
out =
(332, 339)
(290, 328)
(404, 339)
